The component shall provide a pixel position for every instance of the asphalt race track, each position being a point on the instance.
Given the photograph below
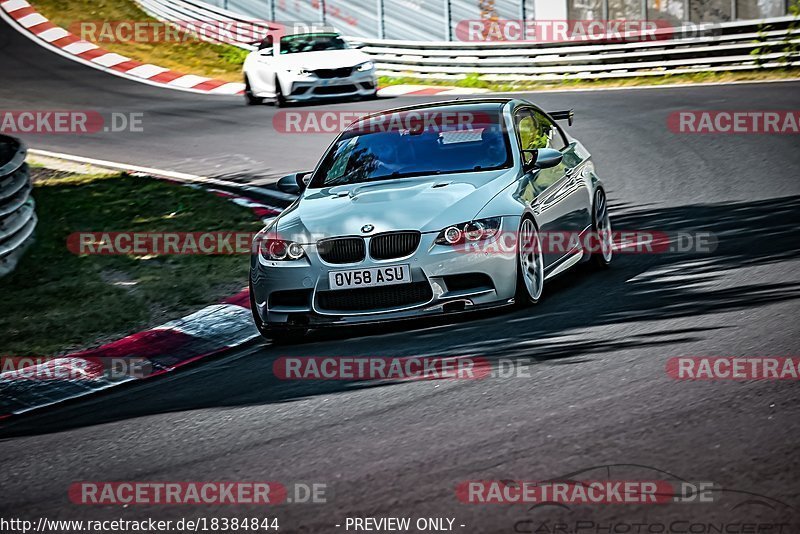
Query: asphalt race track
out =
(594, 349)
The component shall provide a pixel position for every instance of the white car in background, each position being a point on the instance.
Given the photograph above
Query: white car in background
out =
(307, 66)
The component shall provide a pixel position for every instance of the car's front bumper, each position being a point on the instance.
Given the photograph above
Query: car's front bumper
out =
(302, 89)
(298, 294)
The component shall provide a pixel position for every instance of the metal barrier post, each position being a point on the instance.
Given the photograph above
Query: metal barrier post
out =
(272, 10)
(381, 21)
(447, 21)
(322, 16)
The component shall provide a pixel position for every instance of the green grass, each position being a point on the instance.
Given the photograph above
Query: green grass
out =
(55, 301)
(475, 81)
(191, 57)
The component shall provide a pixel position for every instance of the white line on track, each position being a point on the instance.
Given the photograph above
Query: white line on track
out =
(160, 173)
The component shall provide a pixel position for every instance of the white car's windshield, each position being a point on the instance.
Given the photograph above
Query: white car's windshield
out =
(295, 44)
(416, 143)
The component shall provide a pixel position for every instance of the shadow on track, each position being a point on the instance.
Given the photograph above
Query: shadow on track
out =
(638, 288)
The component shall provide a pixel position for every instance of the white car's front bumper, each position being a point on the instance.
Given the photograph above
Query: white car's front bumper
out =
(330, 84)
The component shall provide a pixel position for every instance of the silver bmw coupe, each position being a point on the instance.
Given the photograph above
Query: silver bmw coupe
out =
(437, 208)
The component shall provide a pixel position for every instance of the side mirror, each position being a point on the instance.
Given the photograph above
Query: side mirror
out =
(296, 183)
(266, 44)
(543, 158)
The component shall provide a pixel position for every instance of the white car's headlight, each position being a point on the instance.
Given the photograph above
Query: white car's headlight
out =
(365, 67)
(300, 72)
(469, 232)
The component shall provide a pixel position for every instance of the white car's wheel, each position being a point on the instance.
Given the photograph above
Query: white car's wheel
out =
(249, 98)
(280, 100)
(530, 264)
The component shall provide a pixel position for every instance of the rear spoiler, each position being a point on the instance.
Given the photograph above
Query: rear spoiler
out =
(564, 115)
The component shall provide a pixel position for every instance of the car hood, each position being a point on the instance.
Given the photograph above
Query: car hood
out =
(325, 59)
(426, 204)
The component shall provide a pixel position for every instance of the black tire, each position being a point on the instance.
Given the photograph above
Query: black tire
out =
(249, 98)
(598, 259)
(280, 100)
(523, 297)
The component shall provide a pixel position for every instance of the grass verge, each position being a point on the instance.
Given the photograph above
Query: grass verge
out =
(56, 302)
(474, 81)
(191, 57)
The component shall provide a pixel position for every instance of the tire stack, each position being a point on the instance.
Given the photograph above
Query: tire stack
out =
(17, 217)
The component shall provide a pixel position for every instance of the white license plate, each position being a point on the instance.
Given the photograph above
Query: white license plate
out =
(378, 276)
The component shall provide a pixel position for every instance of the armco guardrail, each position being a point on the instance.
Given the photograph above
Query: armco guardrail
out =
(730, 46)
(720, 47)
(17, 217)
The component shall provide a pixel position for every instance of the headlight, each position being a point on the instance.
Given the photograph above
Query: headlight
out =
(469, 232)
(299, 72)
(279, 250)
(364, 67)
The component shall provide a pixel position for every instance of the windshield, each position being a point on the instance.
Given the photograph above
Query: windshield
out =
(416, 143)
(295, 44)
